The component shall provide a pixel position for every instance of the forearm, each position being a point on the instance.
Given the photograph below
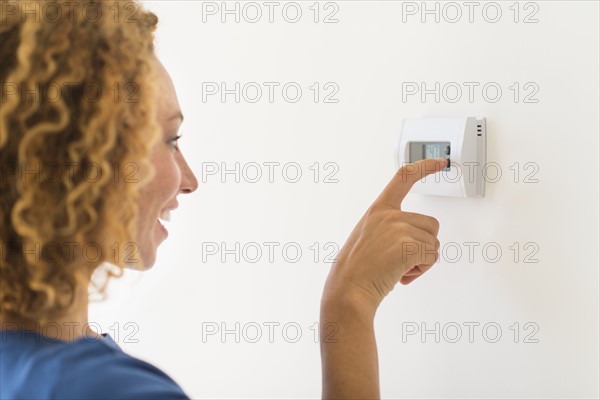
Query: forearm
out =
(348, 351)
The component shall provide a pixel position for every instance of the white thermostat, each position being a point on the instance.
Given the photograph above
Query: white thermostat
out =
(461, 140)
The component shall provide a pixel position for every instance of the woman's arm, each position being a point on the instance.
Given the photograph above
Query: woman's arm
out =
(348, 351)
(387, 246)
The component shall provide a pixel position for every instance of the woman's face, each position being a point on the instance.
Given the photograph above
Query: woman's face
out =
(173, 175)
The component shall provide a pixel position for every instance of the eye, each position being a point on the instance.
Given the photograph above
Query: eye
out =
(174, 140)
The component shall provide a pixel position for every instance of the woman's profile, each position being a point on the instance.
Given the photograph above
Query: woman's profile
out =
(89, 121)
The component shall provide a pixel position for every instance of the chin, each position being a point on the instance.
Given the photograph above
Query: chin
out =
(143, 262)
(138, 266)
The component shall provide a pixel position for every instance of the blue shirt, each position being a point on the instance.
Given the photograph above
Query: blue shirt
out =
(33, 366)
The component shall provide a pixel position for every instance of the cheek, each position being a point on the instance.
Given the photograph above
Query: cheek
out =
(164, 186)
(168, 176)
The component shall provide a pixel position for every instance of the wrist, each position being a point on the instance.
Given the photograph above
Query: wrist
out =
(346, 303)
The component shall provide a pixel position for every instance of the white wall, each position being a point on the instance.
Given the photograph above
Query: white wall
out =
(369, 54)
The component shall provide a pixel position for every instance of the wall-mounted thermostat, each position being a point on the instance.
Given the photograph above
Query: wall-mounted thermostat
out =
(460, 140)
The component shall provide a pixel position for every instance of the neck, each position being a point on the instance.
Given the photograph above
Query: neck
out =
(70, 326)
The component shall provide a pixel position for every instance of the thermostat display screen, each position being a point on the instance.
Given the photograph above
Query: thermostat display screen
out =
(424, 150)
(432, 150)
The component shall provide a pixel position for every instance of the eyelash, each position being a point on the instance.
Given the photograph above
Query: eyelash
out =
(174, 140)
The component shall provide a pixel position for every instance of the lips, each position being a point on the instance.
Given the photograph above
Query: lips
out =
(162, 228)
(165, 217)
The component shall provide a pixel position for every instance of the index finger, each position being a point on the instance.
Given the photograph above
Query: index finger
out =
(404, 179)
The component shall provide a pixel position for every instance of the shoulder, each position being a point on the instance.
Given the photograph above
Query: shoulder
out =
(100, 371)
(86, 369)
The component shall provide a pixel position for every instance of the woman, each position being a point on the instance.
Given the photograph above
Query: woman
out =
(90, 163)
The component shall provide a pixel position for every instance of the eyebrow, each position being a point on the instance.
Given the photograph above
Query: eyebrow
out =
(176, 115)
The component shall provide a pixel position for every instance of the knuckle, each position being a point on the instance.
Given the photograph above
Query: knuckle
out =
(372, 213)
(434, 222)
(376, 209)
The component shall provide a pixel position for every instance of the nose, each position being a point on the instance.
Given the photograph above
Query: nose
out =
(189, 183)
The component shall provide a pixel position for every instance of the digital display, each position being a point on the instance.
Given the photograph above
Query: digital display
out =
(432, 150)
(425, 150)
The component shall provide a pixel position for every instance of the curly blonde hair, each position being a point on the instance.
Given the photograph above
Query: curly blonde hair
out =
(77, 119)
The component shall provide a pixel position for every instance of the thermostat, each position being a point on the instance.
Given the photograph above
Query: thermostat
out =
(461, 140)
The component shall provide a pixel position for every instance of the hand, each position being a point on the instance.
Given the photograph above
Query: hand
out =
(387, 245)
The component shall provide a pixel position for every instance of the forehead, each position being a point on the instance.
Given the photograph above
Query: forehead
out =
(168, 104)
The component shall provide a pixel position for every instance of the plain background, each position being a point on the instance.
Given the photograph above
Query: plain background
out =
(369, 53)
